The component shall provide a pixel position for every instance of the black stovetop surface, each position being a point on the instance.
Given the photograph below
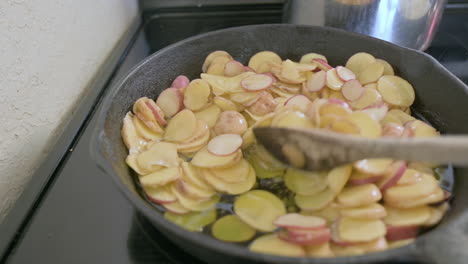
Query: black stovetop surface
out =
(82, 217)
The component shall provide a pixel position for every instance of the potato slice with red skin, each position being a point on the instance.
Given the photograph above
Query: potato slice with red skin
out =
(260, 62)
(259, 208)
(160, 195)
(210, 115)
(336, 107)
(330, 213)
(159, 154)
(316, 82)
(314, 202)
(418, 128)
(361, 195)
(371, 73)
(204, 159)
(300, 222)
(230, 122)
(395, 233)
(322, 64)
(217, 68)
(171, 101)
(345, 74)
(392, 130)
(180, 82)
(304, 238)
(392, 175)
(272, 245)
(333, 81)
(192, 191)
(370, 211)
(181, 126)
(150, 113)
(223, 186)
(197, 95)
(377, 111)
(359, 61)
(437, 196)
(233, 68)
(368, 98)
(263, 105)
(131, 161)
(352, 90)
(368, 126)
(161, 177)
(415, 216)
(225, 144)
(396, 90)
(209, 59)
(308, 58)
(373, 166)
(360, 230)
(245, 98)
(193, 176)
(360, 178)
(224, 104)
(237, 173)
(337, 178)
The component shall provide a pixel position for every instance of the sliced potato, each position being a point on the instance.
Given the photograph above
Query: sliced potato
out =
(369, 211)
(209, 115)
(230, 188)
(259, 209)
(194, 221)
(209, 59)
(159, 154)
(407, 217)
(368, 126)
(194, 204)
(192, 175)
(388, 69)
(230, 228)
(396, 90)
(369, 97)
(305, 182)
(261, 61)
(373, 166)
(161, 177)
(204, 159)
(359, 61)
(361, 195)
(181, 126)
(315, 202)
(234, 174)
(371, 73)
(360, 230)
(271, 244)
(338, 177)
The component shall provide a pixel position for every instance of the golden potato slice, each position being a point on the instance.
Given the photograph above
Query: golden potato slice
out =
(418, 128)
(209, 59)
(194, 221)
(231, 229)
(227, 187)
(400, 243)
(369, 97)
(272, 245)
(338, 177)
(159, 154)
(359, 61)
(307, 58)
(371, 73)
(388, 69)
(370, 211)
(130, 136)
(176, 208)
(360, 195)
(410, 176)
(194, 204)
(209, 115)
(230, 122)
(345, 126)
(259, 209)
(192, 175)
(319, 251)
(260, 62)
(192, 190)
(396, 90)
(435, 197)
(161, 195)
(368, 126)
(217, 83)
(161, 177)
(360, 230)
(131, 161)
(181, 126)
(315, 202)
(330, 213)
(197, 95)
(234, 174)
(292, 119)
(204, 159)
(407, 217)
(333, 81)
(437, 213)
(397, 194)
(305, 182)
(225, 104)
(373, 166)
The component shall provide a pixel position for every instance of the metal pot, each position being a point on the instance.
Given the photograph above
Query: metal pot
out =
(410, 23)
(441, 99)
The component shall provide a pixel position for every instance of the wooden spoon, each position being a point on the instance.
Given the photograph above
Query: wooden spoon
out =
(315, 149)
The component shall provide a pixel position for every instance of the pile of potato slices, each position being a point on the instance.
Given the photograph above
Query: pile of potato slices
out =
(197, 159)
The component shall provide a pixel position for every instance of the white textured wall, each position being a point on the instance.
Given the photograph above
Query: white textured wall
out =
(49, 51)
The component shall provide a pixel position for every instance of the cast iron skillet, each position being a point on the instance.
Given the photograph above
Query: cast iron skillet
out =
(441, 98)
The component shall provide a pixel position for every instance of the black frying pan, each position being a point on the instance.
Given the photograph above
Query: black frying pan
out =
(441, 98)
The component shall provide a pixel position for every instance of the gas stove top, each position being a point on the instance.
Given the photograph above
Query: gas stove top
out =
(71, 212)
